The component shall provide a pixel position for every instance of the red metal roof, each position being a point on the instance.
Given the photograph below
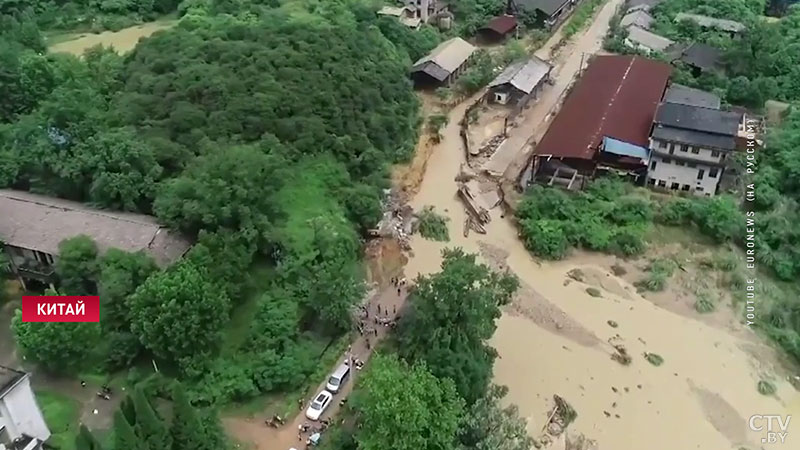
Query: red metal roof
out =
(502, 24)
(617, 97)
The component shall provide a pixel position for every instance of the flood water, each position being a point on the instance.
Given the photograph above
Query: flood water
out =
(123, 40)
(556, 339)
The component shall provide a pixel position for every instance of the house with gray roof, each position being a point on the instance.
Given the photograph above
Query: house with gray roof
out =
(689, 147)
(641, 5)
(684, 95)
(639, 18)
(710, 23)
(32, 226)
(519, 82)
(641, 39)
(550, 12)
(444, 63)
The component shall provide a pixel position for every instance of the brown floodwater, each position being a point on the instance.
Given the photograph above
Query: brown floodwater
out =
(123, 40)
(555, 338)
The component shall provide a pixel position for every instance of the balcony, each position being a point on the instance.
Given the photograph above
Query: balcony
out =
(35, 270)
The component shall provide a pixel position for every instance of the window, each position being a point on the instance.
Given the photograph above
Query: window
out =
(680, 163)
(667, 161)
(675, 186)
(662, 183)
(653, 165)
(685, 188)
(712, 172)
(692, 165)
(671, 150)
(695, 150)
(699, 189)
(714, 153)
(662, 144)
(651, 181)
(683, 147)
(700, 174)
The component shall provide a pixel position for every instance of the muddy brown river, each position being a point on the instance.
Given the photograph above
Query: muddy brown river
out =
(123, 40)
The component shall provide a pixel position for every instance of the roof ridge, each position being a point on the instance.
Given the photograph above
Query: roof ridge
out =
(85, 210)
(613, 99)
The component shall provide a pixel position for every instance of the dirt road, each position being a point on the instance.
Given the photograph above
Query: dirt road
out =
(255, 433)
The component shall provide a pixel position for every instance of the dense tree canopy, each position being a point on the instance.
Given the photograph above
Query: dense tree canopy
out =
(178, 314)
(406, 408)
(452, 317)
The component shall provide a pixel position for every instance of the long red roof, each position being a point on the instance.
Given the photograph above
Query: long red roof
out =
(617, 97)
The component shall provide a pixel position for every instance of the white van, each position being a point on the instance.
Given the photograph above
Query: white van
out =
(338, 378)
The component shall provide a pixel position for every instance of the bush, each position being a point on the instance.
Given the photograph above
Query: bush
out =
(659, 273)
(654, 359)
(766, 388)
(545, 238)
(433, 226)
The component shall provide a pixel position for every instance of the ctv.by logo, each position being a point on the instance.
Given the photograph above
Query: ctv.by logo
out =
(777, 427)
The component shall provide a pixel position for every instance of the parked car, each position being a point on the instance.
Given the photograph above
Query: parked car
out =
(338, 378)
(319, 405)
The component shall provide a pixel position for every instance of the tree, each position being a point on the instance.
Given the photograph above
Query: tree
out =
(59, 347)
(124, 435)
(150, 429)
(452, 316)
(489, 426)
(187, 430)
(120, 274)
(120, 170)
(406, 408)
(229, 189)
(85, 440)
(76, 266)
(179, 314)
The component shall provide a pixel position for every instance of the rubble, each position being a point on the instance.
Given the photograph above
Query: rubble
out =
(477, 212)
(491, 146)
(465, 173)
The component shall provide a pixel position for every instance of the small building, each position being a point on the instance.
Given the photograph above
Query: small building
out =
(702, 58)
(498, 29)
(32, 226)
(710, 23)
(549, 12)
(689, 147)
(407, 15)
(22, 425)
(443, 64)
(519, 82)
(427, 10)
(641, 39)
(642, 5)
(684, 95)
(639, 18)
(616, 98)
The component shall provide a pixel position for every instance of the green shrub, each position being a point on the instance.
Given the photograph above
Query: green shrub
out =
(545, 238)
(654, 359)
(659, 272)
(432, 225)
(766, 387)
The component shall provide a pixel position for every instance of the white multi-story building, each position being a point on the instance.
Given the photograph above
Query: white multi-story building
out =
(690, 143)
(22, 426)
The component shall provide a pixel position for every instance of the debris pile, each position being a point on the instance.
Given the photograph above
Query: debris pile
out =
(398, 222)
(477, 215)
(490, 147)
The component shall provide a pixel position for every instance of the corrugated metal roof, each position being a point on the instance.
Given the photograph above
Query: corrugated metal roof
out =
(37, 222)
(617, 97)
(638, 18)
(502, 24)
(621, 148)
(449, 56)
(523, 75)
(696, 138)
(699, 119)
(711, 22)
(650, 40)
(548, 7)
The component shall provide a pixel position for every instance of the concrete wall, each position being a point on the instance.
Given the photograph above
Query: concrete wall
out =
(21, 414)
(664, 175)
(687, 151)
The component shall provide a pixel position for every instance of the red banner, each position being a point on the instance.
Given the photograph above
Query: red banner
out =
(61, 308)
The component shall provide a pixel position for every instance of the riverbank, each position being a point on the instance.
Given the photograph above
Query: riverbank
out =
(122, 41)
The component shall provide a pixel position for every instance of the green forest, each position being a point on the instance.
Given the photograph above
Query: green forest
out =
(264, 131)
